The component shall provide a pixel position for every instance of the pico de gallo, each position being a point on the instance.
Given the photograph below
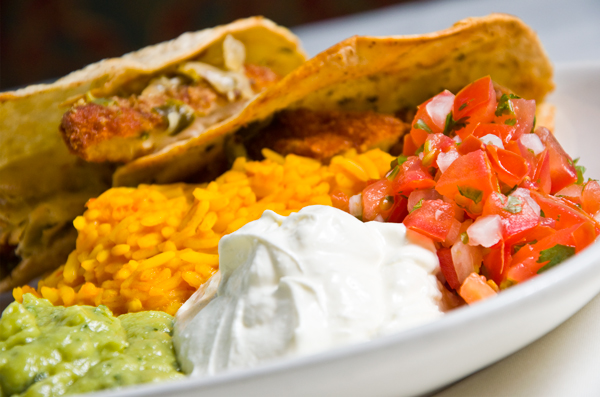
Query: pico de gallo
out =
(497, 194)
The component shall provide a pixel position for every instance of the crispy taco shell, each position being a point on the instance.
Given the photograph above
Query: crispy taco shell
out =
(383, 74)
(43, 187)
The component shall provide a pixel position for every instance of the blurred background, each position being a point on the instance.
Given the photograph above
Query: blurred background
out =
(41, 40)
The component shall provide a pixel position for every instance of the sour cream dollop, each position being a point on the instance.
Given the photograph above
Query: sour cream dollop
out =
(305, 283)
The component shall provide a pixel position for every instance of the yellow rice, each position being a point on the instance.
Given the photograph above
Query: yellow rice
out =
(151, 247)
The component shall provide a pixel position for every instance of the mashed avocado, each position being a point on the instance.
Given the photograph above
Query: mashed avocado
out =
(51, 351)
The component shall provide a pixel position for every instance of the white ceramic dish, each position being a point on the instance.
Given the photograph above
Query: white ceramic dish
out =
(427, 358)
(424, 359)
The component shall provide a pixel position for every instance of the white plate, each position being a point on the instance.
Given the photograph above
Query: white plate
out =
(427, 358)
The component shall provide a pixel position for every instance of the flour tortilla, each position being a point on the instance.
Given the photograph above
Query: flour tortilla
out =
(43, 187)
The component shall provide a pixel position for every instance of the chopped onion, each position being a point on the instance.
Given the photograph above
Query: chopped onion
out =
(597, 216)
(524, 194)
(491, 139)
(379, 218)
(445, 159)
(486, 231)
(453, 234)
(533, 142)
(418, 195)
(457, 139)
(466, 259)
(234, 53)
(355, 205)
(439, 107)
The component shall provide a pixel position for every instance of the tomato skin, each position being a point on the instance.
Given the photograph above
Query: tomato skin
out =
(470, 144)
(447, 267)
(559, 209)
(562, 170)
(514, 225)
(477, 101)
(474, 289)
(590, 197)
(372, 197)
(399, 210)
(472, 170)
(542, 177)
(412, 175)
(496, 261)
(511, 168)
(433, 219)
(340, 200)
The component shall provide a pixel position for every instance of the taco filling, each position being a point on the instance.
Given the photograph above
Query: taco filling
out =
(170, 108)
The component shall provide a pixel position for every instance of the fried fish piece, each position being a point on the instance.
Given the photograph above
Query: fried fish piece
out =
(323, 134)
(118, 129)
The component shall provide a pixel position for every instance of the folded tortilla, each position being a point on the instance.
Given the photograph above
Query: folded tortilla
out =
(43, 187)
(382, 74)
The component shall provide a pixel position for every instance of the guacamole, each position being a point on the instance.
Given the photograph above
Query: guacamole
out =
(51, 351)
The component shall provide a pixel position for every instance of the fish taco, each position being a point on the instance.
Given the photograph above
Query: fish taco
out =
(118, 111)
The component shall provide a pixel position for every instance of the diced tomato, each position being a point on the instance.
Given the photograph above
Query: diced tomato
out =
(412, 175)
(430, 117)
(542, 177)
(573, 193)
(590, 197)
(521, 118)
(517, 215)
(560, 210)
(399, 210)
(504, 132)
(470, 144)
(434, 145)
(469, 176)
(477, 101)
(562, 169)
(447, 267)
(409, 148)
(377, 199)
(496, 261)
(438, 109)
(475, 288)
(525, 265)
(584, 235)
(433, 219)
(340, 200)
(511, 168)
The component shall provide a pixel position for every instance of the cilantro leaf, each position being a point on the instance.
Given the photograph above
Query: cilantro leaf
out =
(452, 125)
(505, 106)
(471, 193)
(514, 205)
(510, 121)
(420, 150)
(542, 214)
(554, 256)
(402, 159)
(464, 105)
(420, 125)
(580, 170)
(418, 205)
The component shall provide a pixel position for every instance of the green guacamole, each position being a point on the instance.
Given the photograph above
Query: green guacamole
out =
(51, 351)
